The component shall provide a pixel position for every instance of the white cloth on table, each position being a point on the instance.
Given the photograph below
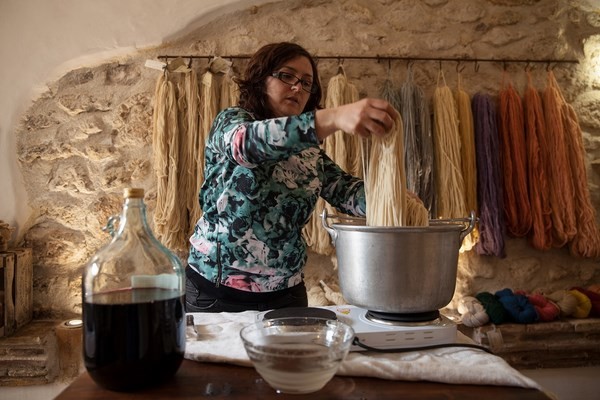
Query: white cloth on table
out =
(218, 340)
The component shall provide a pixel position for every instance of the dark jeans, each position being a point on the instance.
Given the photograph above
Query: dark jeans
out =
(201, 295)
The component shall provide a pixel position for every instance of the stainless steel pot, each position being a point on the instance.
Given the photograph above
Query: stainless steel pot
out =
(398, 269)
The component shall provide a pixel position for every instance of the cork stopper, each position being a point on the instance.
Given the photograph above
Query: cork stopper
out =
(135, 193)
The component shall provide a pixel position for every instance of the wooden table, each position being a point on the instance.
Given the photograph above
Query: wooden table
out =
(196, 380)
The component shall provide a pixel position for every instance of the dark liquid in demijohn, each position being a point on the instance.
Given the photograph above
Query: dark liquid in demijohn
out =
(133, 339)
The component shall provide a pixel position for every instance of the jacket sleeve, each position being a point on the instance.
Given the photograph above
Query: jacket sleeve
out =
(249, 142)
(342, 190)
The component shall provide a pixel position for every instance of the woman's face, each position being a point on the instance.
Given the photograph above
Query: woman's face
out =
(284, 99)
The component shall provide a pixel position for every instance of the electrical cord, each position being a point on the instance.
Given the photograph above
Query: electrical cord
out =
(357, 342)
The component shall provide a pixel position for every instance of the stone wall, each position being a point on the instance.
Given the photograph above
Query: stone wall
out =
(89, 135)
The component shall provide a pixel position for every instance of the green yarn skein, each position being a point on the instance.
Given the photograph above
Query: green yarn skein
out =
(494, 309)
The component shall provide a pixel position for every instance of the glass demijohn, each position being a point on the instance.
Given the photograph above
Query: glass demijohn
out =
(133, 305)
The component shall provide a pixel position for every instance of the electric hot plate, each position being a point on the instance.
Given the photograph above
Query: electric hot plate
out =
(377, 331)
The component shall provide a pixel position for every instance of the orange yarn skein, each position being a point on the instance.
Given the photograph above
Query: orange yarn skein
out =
(514, 165)
(540, 236)
(559, 178)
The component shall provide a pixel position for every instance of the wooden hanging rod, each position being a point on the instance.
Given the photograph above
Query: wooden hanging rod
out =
(341, 58)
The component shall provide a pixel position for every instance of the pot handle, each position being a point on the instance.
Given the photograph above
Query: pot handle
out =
(472, 220)
(332, 232)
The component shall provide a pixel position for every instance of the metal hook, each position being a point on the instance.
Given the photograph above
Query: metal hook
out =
(189, 65)
(459, 70)
(476, 66)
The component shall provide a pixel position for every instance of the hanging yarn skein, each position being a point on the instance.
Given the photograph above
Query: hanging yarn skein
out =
(418, 142)
(230, 91)
(335, 145)
(540, 236)
(514, 163)
(166, 151)
(191, 183)
(489, 178)
(412, 143)
(561, 186)
(353, 142)
(586, 241)
(449, 181)
(468, 161)
(184, 177)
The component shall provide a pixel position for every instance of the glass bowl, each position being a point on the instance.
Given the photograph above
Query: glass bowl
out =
(297, 354)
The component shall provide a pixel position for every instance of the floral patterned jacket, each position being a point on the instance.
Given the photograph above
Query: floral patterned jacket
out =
(262, 181)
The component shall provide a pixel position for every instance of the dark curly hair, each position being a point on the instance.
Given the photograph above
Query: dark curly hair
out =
(261, 65)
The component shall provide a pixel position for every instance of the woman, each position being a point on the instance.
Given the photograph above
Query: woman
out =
(264, 172)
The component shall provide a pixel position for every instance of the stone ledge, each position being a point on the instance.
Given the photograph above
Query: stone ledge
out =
(29, 356)
(556, 344)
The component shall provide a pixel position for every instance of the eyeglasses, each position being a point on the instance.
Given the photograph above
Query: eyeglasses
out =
(293, 80)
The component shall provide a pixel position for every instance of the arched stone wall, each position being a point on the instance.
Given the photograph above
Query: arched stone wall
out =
(89, 135)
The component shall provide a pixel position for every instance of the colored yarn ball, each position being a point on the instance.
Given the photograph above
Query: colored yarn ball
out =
(566, 301)
(492, 306)
(594, 288)
(517, 306)
(472, 312)
(594, 299)
(584, 305)
(547, 310)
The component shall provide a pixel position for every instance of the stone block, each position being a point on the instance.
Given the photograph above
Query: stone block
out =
(30, 355)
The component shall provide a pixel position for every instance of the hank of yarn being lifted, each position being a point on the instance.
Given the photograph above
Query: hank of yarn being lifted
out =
(517, 306)
(472, 312)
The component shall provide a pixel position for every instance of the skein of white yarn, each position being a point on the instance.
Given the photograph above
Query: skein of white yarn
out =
(472, 312)
(333, 296)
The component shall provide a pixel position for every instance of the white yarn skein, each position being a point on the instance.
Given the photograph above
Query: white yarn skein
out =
(335, 297)
(472, 312)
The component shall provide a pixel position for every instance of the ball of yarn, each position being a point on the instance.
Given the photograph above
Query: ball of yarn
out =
(594, 288)
(594, 299)
(547, 310)
(584, 305)
(517, 306)
(472, 312)
(492, 306)
(565, 301)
